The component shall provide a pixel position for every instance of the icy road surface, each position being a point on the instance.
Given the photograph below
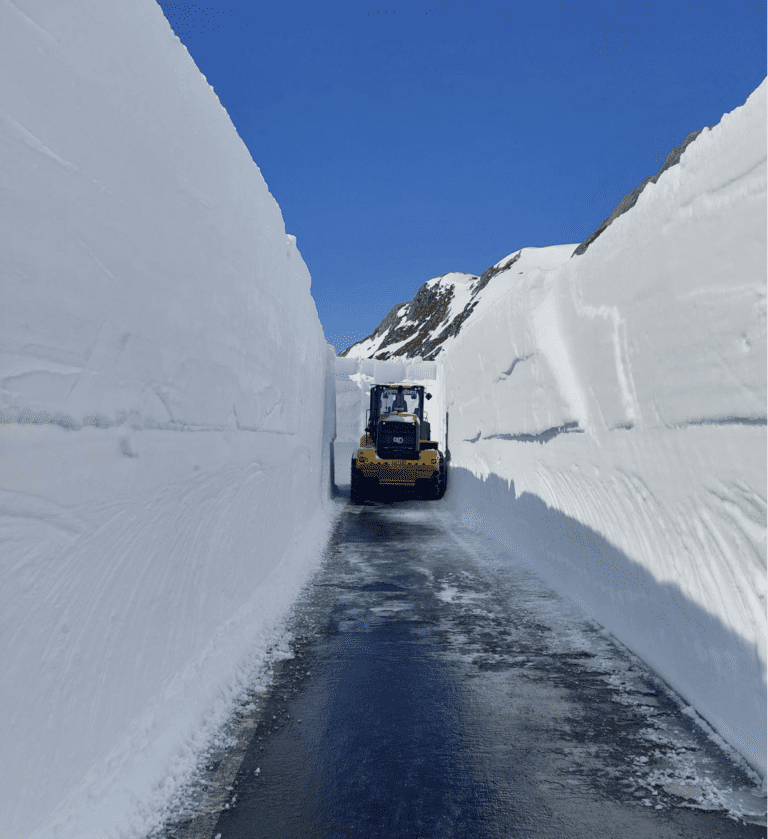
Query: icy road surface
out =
(432, 687)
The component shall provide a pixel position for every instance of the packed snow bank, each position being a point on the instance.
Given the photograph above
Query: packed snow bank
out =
(168, 408)
(608, 420)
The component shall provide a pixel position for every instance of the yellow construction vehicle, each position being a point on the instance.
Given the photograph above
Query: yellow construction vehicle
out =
(396, 450)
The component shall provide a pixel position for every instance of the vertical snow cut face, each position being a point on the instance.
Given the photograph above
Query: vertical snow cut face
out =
(608, 421)
(167, 405)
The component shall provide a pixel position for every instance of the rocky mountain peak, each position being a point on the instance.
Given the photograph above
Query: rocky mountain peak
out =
(420, 327)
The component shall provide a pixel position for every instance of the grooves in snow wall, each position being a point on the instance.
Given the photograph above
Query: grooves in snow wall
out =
(168, 407)
(612, 412)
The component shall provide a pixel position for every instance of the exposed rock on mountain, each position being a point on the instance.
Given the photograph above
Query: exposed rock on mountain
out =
(629, 201)
(418, 328)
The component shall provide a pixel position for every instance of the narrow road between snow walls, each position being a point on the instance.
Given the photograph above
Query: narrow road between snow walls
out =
(436, 688)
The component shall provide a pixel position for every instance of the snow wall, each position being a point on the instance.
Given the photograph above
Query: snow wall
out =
(168, 413)
(608, 423)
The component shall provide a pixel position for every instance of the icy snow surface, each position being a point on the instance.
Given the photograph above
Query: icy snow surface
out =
(167, 401)
(608, 422)
(608, 419)
(163, 451)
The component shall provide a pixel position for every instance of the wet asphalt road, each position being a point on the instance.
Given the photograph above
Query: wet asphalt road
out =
(436, 691)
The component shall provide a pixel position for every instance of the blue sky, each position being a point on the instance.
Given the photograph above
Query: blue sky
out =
(406, 140)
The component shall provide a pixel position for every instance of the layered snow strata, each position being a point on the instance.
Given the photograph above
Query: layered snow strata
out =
(168, 404)
(612, 412)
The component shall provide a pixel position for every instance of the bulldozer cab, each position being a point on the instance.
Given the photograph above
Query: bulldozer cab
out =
(392, 400)
(387, 400)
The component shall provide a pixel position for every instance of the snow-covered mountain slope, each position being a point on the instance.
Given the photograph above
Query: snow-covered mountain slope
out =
(167, 401)
(608, 418)
(629, 200)
(167, 398)
(426, 326)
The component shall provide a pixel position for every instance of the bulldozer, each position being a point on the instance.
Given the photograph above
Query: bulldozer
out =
(396, 450)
